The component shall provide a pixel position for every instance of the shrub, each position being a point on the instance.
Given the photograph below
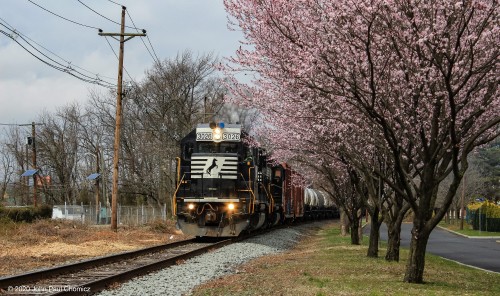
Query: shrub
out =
(26, 214)
(484, 216)
(160, 226)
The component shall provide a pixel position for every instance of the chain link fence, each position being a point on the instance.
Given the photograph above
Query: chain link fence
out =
(126, 215)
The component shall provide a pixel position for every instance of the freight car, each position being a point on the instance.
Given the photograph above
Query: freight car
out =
(319, 205)
(225, 187)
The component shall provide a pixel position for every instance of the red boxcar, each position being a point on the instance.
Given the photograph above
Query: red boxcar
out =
(293, 194)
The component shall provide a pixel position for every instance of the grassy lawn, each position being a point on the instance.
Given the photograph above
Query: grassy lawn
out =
(326, 264)
(468, 230)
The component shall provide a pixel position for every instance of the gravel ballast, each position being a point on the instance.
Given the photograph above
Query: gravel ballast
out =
(181, 279)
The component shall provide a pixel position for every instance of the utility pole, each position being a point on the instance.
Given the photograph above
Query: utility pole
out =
(33, 148)
(119, 94)
(31, 141)
(98, 170)
(33, 157)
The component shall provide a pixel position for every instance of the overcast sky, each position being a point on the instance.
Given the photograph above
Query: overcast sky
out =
(28, 86)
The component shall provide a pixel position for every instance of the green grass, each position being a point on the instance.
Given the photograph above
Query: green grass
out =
(467, 230)
(326, 264)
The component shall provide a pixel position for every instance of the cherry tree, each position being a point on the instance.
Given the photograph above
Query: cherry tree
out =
(420, 77)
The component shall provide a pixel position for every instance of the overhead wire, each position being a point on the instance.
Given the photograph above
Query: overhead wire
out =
(58, 66)
(62, 17)
(103, 16)
(116, 55)
(115, 3)
(65, 69)
(151, 51)
(155, 57)
(17, 32)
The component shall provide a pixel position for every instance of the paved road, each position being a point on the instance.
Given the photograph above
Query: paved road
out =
(483, 253)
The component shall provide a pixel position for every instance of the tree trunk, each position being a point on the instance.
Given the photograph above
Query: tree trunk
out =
(3, 189)
(344, 223)
(355, 240)
(374, 233)
(394, 241)
(394, 232)
(416, 259)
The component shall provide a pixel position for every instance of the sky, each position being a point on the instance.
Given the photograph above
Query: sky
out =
(29, 87)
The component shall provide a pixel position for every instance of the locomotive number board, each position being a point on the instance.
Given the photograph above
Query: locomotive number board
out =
(230, 137)
(201, 136)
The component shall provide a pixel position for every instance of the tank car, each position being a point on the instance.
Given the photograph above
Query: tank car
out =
(318, 205)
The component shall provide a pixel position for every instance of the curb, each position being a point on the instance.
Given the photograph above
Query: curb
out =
(471, 237)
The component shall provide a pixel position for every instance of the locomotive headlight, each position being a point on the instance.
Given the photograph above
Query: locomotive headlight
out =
(230, 206)
(191, 206)
(217, 133)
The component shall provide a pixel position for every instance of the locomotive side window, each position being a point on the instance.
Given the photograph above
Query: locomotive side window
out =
(187, 151)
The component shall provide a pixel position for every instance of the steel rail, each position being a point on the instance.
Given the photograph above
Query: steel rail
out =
(103, 283)
(43, 274)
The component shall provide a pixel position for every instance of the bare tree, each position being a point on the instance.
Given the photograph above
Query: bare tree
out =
(57, 144)
(7, 164)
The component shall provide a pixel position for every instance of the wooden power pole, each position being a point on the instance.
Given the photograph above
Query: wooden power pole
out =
(33, 147)
(119, 94)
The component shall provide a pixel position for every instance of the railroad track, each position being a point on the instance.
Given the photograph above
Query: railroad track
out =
(91, 276)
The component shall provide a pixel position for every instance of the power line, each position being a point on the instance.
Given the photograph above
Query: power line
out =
(116, 55)
(156, 60)
(155, 57)
(130, 77)
(66, 19)
(151, 52)
(94, 11)
(65, 69)
(115, 3)
(17, 32)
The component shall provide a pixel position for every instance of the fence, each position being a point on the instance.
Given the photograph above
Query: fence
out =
(481, 222)
(126, 215)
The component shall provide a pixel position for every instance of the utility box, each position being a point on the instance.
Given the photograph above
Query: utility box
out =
(68, 212)
(104, 218)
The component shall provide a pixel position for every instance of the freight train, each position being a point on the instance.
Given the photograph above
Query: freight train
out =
(226, 187)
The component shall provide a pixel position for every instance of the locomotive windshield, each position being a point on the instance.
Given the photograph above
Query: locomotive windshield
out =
(212, 147)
